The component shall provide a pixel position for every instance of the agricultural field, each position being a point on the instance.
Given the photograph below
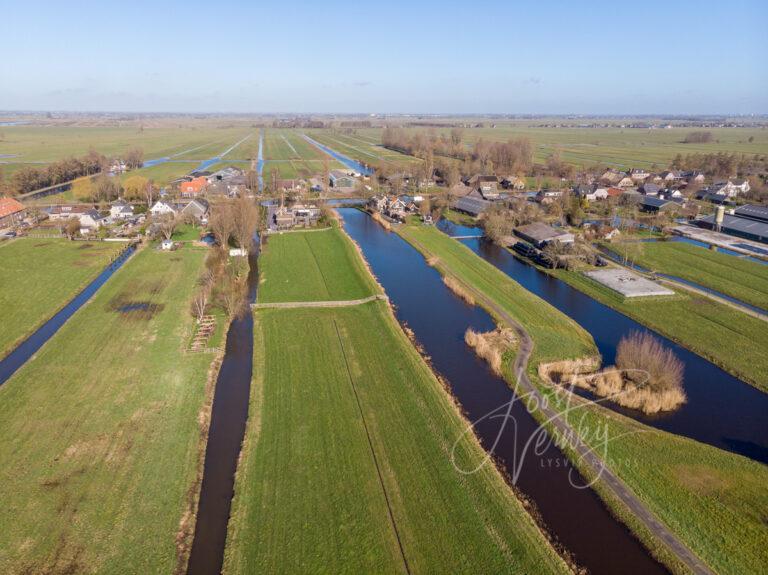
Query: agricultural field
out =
(286, 151)
(161, 174)
(696, 322)
(710, 498)
(39, 276)
(312, 266)
(621, 148)
(736, 277)
(349, 427)
(364, 150)
(100, 430)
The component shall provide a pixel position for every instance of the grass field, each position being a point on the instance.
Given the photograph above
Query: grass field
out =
(99, 432)
(312, 266)
(739, 278)
(363, 150)
(711, 498)
(346, 465)
(618, 147)
(286, 151)
(721, 334)
(39, 276)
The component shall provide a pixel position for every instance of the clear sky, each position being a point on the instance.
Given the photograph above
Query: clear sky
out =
(474, 56)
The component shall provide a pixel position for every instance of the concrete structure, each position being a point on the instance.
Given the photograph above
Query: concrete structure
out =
(540, 234)
(628, 283)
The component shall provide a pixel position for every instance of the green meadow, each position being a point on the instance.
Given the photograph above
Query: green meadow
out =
(100, 430)
(346, 464)
(40, 276)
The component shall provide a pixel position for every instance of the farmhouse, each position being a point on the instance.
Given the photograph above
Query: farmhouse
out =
(89, 217)
(591, 193)
(11, 212)
(548, 196)
(540, 234)
(193, 188)
(639, 174)
(730, 188)
(471, 206)
(197, 208)
(513, 183)
(298, 215)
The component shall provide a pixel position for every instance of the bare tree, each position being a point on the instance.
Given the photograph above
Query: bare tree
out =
(222, 222)
(134, 158)
(167, 225)
(246, 221)
(200, 302)
(232, 293)
(72, 228)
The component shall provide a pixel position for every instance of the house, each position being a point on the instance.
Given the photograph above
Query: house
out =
(692, 177)
(591, 193)
(639, 174)
(193, 188)
(649, 189)
(88, 216)
(612, 234)
(670, 176)
(625, 182)
(614, 192)
(166, 245)
(540, 234)
(341, 179)
(120, 210)
(655, 205)
(730, 188)
(163, 207)
(479, 180)
(117, 167)
(196, 208)
(12, 212)
(612, 177)
(228, 173)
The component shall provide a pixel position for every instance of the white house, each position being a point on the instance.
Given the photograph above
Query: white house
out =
(120, 210)
(731, 188)
(162, 208)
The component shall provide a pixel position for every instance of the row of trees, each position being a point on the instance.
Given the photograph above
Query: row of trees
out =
(721, 164)
(30, 178)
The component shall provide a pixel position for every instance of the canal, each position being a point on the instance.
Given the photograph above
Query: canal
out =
(11, 363)
(229, 415)
(575, 516)
(721, 410)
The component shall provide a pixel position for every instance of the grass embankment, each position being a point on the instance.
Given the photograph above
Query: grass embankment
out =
(725, 336)
(39, 276)
(459, 218)
(312, 266)
(346, 466)
(100, 431)
(710, 498)
(736, 277)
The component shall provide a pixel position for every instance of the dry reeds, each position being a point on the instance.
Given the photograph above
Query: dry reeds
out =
(384, 223)
(456, 287)
(491, 346)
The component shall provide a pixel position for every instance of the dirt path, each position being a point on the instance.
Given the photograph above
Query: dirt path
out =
(591, 460)
(334, 303)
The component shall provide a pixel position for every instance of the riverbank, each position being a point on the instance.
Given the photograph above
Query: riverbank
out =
(103, 421)
(706, 496)
(349, 427)
(40, 276)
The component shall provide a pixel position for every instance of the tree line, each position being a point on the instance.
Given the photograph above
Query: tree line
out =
(721, 163)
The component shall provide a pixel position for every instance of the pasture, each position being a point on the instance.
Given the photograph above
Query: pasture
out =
(312, 266)
(100, 431)
(39, 276)
(346, 466)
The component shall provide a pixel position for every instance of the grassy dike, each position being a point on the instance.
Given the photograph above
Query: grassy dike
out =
(39, 276)
(712, 499)
(346, 466)
(100, 431)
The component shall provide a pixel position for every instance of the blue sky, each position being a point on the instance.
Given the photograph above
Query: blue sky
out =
(539, 56)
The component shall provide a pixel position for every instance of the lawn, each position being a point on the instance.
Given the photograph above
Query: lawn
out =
(736, 277)
(725, 336)
(100, 432)
(39, 276)
(713, 500)
(346, 465)
(312, 266)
